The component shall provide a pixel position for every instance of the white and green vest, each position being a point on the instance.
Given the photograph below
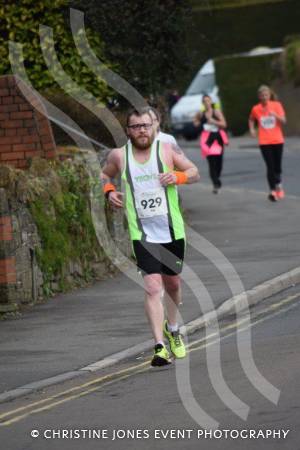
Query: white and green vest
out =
(153, 211)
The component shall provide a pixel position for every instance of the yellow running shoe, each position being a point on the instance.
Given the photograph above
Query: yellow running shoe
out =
(161, 356)
(175, 341)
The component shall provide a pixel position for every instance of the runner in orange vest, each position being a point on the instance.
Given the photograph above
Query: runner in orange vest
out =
(269, 116)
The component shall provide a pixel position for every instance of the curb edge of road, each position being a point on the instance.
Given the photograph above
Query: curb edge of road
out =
(237, 303)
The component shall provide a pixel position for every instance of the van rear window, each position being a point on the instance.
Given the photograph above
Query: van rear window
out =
(202, 84)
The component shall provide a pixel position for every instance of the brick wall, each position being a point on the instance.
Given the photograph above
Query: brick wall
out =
(25, 131)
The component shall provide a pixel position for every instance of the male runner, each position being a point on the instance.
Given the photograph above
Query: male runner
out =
(160, 135)
(150, 171)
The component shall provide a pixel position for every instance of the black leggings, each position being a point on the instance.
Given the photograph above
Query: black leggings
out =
(215, 164)
(272, 155)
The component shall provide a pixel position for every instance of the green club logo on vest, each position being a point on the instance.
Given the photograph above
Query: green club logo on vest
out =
(143, 178)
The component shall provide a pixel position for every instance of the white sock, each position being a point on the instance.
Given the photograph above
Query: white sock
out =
(160, 342)
(173, 328)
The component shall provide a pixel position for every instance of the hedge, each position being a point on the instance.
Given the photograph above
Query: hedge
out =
(292, 58)
(219, 32)
(238, 79)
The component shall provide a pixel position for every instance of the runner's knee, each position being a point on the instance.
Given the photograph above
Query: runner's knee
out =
(153, 285)
(171, 283)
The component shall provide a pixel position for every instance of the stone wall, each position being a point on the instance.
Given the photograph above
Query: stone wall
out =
(20, 278)
(23, 278)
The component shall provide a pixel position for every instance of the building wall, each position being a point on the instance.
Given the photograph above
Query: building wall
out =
(25, 130)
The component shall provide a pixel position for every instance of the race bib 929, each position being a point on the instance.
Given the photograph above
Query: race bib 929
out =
(151, 203)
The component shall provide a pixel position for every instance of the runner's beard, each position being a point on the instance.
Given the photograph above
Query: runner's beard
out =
(142, 142)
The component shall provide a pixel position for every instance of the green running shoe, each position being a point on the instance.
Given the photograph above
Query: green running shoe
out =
(175, 341)
(161, 356)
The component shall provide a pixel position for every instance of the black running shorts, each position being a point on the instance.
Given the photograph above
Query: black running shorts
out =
(165, 259)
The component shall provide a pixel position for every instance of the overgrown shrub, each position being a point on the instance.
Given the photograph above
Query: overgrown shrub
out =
(238, 79)
(292, 59)
(20, 21)
(63, 218)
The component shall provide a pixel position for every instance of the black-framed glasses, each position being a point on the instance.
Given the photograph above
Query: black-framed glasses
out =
(139, 126)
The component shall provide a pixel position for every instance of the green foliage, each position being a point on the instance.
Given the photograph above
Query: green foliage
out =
(238, 79)
(219, 32)
(65, 225)
(19, 22)
(222, 4)
(292, 59)
(145, 38)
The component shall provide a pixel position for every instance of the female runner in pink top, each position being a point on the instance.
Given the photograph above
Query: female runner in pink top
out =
(213, 138)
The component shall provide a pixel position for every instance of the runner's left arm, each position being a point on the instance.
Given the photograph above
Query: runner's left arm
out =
(279, 114)
(219, 121)
(185, 172)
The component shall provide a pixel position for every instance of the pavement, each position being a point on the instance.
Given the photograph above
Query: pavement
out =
(238, 241)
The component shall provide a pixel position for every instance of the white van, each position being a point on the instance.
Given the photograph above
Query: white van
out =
(188, 105)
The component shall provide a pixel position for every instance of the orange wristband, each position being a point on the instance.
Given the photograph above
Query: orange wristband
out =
(108, 187)
(181, 177)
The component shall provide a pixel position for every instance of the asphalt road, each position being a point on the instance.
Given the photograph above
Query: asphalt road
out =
(244, 167)
(133, 406)
(258, 240)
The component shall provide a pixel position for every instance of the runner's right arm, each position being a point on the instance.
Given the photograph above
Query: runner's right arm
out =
(197, 119)
(251, 125)
(111, 169)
